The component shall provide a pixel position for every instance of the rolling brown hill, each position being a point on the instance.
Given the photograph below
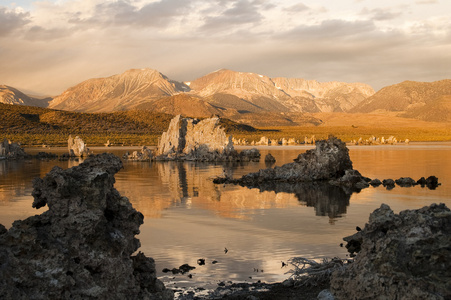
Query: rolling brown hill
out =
(182, 104)
(438, 110)
(407, 97)
(10, 95)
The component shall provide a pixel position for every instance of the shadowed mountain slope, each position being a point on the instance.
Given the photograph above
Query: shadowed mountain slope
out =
(406, 96)
(438, 110)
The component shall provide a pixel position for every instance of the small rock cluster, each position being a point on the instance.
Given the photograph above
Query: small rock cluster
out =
(328, 162)
(399, 256)
(431, 182)
(145, 154)
(82, 246)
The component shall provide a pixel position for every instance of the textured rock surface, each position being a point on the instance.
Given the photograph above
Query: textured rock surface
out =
(399, 256)
(77, 147)
(190, 139)
(81, 247)
(10, 150)
(328, 162)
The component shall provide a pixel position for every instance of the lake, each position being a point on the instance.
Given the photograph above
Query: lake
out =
(187, 217)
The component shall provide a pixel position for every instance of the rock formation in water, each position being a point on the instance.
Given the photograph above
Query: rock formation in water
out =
(329, 162)
(399, 256)
(191, 139)
(10, 150)
(81, 247)
(269, 159)
(77, 147)
(145, 154)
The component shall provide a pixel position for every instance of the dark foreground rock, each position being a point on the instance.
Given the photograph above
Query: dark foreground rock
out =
(81, 247)
(399, 256)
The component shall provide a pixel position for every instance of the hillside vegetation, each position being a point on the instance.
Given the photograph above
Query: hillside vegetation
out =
(35, 126)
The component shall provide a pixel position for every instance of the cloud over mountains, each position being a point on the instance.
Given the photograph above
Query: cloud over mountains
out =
(378, 43)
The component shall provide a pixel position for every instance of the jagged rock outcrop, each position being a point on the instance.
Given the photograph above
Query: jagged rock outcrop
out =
(329, 162)
(77, 147)
(191, 139)
(81, 247)
(399, 256)
(9, 150)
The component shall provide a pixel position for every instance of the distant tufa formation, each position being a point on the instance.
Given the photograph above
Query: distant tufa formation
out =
(77, 147)
(399, 256)
(205, 140)
(81, 248)
(9, 150)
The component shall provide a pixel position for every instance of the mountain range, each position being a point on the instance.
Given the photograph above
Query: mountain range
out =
(245, 97)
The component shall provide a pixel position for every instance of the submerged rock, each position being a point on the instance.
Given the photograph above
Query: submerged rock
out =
(9, 150)
(269, 159)
(399, 256)
(77, 147)
(405, 182)
(82, 246)
(389, 184)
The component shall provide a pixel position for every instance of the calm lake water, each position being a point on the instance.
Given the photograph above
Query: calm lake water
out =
(187, 217)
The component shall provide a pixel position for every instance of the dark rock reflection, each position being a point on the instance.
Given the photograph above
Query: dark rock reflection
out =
(327, 200)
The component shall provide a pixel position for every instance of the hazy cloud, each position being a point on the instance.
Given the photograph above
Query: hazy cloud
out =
(380, 14)
(241, 12)
(427, 2)
(299, 7)
(11, 20)
(122, 13)
(329, 30)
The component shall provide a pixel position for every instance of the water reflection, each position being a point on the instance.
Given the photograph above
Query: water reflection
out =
(189, 185)
(327, 200)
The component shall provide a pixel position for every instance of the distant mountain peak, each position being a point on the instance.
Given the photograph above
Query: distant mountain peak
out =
(118, 92)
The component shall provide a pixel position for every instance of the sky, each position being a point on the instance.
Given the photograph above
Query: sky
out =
(47, 46)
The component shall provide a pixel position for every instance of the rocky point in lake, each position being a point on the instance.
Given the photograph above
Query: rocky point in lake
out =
(329, 162)
(82, 246)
